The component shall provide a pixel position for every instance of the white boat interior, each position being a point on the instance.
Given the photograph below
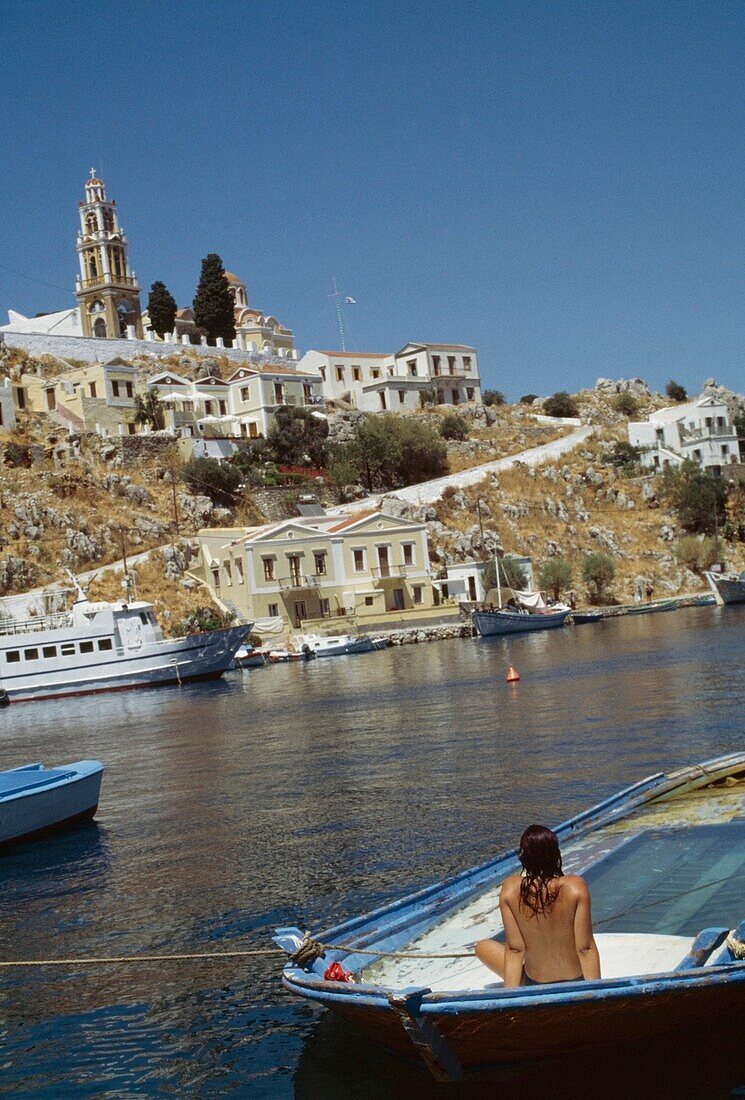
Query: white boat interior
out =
(657, 879)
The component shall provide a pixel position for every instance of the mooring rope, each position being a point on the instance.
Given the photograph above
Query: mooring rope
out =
(310, 949)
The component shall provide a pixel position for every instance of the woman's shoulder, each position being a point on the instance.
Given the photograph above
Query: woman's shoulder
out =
(575, 884)
(511, 886)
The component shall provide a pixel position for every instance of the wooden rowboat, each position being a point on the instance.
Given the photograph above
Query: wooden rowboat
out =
(665, 862)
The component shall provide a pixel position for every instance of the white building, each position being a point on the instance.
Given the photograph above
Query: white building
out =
(243, 406)
(699, 430)
(66, 322)
(378, 382)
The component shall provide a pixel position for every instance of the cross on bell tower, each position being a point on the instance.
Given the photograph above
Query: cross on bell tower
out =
(106, 289)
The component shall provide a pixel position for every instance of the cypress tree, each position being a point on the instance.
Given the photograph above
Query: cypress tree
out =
(161, 307)
(213, 303)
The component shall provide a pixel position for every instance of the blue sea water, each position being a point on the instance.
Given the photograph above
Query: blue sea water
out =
(303, 795)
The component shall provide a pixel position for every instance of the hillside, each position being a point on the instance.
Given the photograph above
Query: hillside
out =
(76, 501)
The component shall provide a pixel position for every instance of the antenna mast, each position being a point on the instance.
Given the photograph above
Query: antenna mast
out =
(337, 295)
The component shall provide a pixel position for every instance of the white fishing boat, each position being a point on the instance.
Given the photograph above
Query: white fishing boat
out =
(100, 646)
(727, 587)
(333, 645)
(35, 800)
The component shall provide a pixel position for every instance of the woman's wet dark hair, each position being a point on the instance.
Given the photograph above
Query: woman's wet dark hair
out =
(541, 859)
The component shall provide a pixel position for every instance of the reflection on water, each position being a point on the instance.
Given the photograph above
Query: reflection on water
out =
(305, 794)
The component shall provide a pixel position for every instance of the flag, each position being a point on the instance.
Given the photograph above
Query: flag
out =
(349, 301)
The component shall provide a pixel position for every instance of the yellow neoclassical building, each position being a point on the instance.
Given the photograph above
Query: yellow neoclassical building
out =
(327, 572)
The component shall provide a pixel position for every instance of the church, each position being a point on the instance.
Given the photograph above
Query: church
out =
(109, 305)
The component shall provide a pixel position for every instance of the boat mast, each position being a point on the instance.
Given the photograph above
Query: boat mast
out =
(337, 295)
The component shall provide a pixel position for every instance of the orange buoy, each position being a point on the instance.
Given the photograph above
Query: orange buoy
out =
(512, 676)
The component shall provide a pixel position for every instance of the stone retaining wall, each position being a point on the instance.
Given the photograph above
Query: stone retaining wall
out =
(90, 350)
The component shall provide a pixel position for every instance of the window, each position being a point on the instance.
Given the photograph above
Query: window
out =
(245, 391)
(105, 644)
(322, 373)
(368, 601)
(20, 397)
(375, 373)
(13, 656)
(451, 364)
(408, 549)
(50, 400)
(307, 393)
(466, 362)
(456, 397)
(238, 571)
(131, 428)
(92, 388)
(115, 389)
(130, 389)
(67, 649)
(49, 651)
(382, 401)
(340, 374)
(279, 394)
(222, 405)
(325, 607)
(383, 562)
(228, 572)
(300, 612)
(253, 430)
(86, 647)
(417, 593)
(268, 569)
(470, 393)
(1, 415)
(411, 364)
(401, 397)
(273, 610)
(188, 406)
(359, 560)
(31, 654)
(356, 374)
(208, 408)
(725, 450)
(435, 365)
(319, 558)
(293, 560)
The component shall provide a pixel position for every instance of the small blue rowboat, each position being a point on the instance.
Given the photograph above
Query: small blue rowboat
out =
(665, 863)
(35, 800)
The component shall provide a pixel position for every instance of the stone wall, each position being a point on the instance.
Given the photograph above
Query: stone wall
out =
(90, 350)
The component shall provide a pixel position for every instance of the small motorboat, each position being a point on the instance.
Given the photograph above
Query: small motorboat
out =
(516, 611)
(727, 587)
(665, 863)
(248, 656)
(281, 655)
(581, 617)
(334, 645)
(35, 800)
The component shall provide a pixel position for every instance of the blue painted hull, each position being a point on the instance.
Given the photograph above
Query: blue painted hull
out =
(35, 800)
(465, 1033)
(491, 624)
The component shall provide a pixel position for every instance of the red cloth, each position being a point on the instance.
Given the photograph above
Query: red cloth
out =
(335, 972)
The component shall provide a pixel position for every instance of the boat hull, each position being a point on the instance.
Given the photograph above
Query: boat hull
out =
(728, 589)
(472, 1040)
(180, 660)
(357, 645)
(491, 624)
(37, 811)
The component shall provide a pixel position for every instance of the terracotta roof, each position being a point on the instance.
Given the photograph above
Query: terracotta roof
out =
(358, 354)
(233, 278)
(353, 519)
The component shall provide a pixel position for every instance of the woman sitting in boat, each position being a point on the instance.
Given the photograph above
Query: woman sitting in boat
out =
(547, 920)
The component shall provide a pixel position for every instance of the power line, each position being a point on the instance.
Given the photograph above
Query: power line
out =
(32, 279)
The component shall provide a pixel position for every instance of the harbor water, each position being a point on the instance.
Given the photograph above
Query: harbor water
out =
(304, 794)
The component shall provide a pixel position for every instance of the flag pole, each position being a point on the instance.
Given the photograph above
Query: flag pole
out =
(337, 298)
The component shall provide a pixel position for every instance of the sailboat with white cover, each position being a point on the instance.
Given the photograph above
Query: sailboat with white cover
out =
(522, 612)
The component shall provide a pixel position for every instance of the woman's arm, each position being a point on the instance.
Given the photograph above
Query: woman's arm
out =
(584, 941)
(514, 952)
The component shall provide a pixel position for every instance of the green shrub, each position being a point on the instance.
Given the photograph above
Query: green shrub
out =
(453, 427)
(675, 391)
(625, 456)
(427, 397)
(387, 451)
(698, 499)
(561, 404)
(492, 397)
(626, 403)
(697, 554)
(217, 480)
(598, 570)
(528, 398)
(511, 574)
(555, 576)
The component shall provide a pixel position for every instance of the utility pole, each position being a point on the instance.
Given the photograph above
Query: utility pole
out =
(126, 567)
(175, 504)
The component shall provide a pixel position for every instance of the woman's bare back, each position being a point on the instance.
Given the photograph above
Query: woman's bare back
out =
(551, 950)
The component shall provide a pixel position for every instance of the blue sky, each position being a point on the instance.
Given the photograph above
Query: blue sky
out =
(559, 184)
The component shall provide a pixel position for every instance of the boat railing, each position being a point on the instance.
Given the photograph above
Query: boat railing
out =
(35, 623)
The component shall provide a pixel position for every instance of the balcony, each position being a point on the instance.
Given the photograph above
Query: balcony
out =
(706, 431)
(382, 573)
(297, 581)
(106, 280)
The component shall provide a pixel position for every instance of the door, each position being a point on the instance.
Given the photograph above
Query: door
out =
(299, 612)
(398, 599)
